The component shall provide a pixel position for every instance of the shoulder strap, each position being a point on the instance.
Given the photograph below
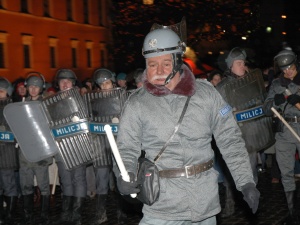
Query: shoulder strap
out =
(175, 130)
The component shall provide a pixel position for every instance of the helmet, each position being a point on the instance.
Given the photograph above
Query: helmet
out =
(6, 85)
(121, 76)
(35, 79)
(235, 54)
(101, 75)
(161, 42)
(285, 59)
(66, 74)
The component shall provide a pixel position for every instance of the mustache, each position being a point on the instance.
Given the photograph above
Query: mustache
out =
(160, 76)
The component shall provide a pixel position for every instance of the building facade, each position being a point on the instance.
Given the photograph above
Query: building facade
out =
(46, 35)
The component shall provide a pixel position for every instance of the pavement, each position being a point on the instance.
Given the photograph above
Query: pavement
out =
(272, 208)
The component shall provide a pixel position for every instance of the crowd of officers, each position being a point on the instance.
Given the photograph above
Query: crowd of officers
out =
(73, 182)
(18, 176)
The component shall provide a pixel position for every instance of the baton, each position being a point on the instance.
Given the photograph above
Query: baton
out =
(285, 123)
(115, 151)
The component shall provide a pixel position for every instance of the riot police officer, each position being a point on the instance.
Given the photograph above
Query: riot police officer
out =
(73, 182)
(244, 90)
(284, 95)
(105, 79)
(8, 160)
(35, 83)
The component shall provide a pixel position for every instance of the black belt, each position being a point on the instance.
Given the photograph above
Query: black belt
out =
(292, 119)
(187, 171)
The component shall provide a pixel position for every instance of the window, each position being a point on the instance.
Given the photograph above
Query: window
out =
(46, 8)
(26, 55)
(101, 12)
(86, 11)
(89, 45)
(53, 47)
(69, 10)
(24, 6)
(103, 54)
(3, 56)
(27, 42)
(2, 4)
(74, 45)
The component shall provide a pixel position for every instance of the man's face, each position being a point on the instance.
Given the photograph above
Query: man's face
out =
(106, 85)
(159, 68)
(22, 90)
(64, 84)
(290, 72)
(34, 91)
(216, 79)
(3, 93)
(122, 83)
(238, 67)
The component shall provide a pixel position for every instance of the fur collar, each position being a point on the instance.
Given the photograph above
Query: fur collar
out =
(186, 85)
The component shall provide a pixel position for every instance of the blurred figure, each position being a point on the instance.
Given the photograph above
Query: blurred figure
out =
(20, 91)
(8, 160)
(138, 77)
(121, 80)
(215, 77)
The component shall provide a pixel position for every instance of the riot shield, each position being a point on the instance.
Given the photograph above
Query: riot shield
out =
(8, 152)
(31, 130)
(246, 96)
(68, 120)
(104, 107)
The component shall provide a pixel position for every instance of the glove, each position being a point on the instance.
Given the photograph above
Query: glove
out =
(293, 99)
(251, 196)
(279, 99)
(127, 188)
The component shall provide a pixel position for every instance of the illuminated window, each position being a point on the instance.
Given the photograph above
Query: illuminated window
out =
(86, 11)
(46, 8)
(27, 42)
(3, 56)
(89, 46)
(52, 48)
(24, 6)
(74, 45)
(103, 55)
(69, 10)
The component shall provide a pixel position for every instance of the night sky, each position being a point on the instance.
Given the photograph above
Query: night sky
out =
(206, 20)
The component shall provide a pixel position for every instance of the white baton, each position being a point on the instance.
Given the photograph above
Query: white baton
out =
(117, 155)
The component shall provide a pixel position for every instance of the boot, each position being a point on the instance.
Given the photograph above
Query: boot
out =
(66, 214)
(229, 203)
(292, 218)
(1, 210)
(28, 202)
(101, 216)
(11, 202)
(45, 207)
(77, 209)
(121, 215)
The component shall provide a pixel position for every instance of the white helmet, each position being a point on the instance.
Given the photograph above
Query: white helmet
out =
(165, 41)
(6, 85)
(161, 42)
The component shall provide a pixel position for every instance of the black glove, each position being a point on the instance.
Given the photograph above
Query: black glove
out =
(279, 99)
(251, 196)
(293, 99)
(127, 188)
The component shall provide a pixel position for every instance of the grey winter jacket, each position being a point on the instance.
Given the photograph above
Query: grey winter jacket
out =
(147, 122)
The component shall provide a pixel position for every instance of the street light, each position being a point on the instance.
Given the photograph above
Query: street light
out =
(148, 2)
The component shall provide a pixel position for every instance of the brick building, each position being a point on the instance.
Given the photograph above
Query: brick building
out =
(45, 35)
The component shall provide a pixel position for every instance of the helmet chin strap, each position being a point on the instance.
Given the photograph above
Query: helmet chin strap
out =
(172, 74)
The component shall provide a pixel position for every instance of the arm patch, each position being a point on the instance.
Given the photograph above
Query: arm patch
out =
(224, 111)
